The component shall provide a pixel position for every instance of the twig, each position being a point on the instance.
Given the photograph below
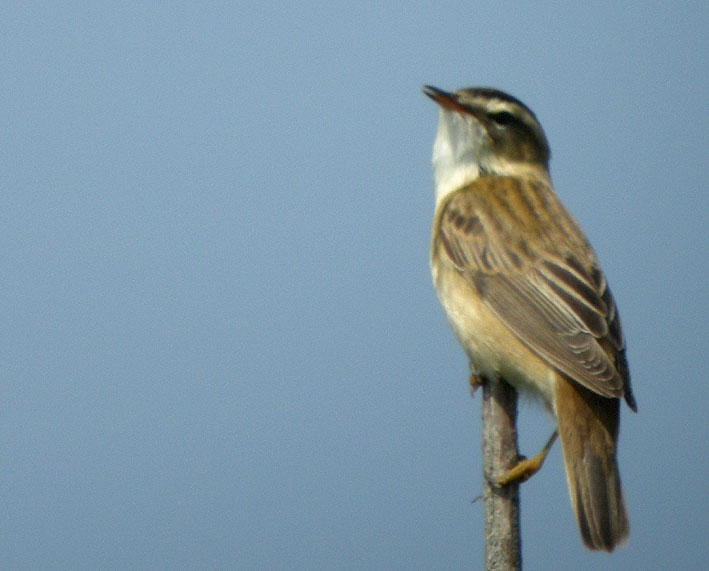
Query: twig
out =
(502, 530)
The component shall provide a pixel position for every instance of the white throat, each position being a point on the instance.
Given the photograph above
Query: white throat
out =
(462, 151)
(456, 152)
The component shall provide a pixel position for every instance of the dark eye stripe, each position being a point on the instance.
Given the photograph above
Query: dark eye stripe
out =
(503, 118)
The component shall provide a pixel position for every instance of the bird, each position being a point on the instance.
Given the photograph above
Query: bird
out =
(526, 296)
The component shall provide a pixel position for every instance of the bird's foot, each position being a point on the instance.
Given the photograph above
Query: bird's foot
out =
(526, 467)
(476, 381)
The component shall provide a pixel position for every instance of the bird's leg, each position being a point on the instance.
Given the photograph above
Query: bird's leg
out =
(476, 381)
(527, 467)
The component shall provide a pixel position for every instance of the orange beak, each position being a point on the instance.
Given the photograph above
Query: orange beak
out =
(445, 99)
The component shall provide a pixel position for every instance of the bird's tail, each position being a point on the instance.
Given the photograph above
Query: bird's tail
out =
(588, 429)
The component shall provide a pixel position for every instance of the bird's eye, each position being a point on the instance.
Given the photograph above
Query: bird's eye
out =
(503, 118)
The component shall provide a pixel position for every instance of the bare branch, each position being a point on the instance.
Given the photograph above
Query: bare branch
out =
(502, 530)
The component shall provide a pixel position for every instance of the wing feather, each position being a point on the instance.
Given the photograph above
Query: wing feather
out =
(519, 248)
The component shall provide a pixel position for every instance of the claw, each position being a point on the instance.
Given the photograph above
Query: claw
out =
(526, 467)
(476, 381)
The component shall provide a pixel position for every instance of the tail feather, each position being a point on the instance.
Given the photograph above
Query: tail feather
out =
(588, 429)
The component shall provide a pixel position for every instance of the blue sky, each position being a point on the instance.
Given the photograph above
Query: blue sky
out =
(220, 343)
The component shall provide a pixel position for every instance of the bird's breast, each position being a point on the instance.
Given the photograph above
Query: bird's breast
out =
(493, 350)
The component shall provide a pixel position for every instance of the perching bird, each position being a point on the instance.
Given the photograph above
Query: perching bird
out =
(525, 295)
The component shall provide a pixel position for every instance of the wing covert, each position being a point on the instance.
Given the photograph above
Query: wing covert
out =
(519, 248)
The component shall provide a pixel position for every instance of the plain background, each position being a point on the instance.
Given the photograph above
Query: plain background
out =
(220, 345)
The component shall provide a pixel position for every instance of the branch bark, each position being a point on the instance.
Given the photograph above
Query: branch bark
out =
(502, 531)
